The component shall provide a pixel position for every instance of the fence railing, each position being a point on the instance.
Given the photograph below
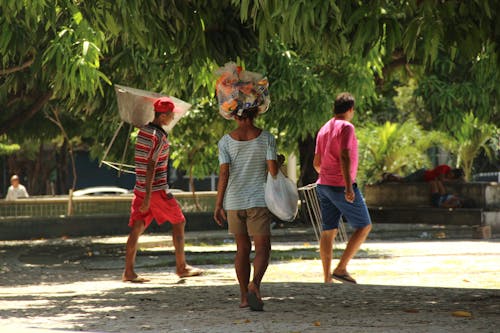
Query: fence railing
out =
(95, 205)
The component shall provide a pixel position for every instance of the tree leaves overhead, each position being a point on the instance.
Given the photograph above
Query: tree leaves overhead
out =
(65, 54)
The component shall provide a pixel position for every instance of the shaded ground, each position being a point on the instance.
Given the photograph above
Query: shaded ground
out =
(73, 284)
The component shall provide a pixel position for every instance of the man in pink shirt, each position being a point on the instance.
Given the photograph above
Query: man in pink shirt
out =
(336, 161)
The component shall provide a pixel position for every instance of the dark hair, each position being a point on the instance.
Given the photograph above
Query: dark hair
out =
(158, 114)
(343, 103)
(250, 113)
(458, 173)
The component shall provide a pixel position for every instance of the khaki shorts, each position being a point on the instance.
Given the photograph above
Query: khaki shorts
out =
(252, 221)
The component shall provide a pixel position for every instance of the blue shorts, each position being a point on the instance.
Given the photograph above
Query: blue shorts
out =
(333, 206)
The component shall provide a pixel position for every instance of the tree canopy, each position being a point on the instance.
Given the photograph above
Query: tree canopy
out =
(63, 56)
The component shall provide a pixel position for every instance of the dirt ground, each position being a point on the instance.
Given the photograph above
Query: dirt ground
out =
(404, 286)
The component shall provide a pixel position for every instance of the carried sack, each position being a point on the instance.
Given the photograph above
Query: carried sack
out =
(281, 197)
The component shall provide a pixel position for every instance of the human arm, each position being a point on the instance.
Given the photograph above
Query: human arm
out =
(24, 192)
(150, 170)
(272, 156)
(219, 213)
(345, 162)
(317, 162)
(272, 167)
(10, 194)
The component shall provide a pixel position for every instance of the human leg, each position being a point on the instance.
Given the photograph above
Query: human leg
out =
(181, 267)
(260, 262)
(237, 224)
(259, 228)
(325, 251)
(358, 217)
(352, 247)
(242, 265)
(131, 250)
(165, 208)
(330, 214)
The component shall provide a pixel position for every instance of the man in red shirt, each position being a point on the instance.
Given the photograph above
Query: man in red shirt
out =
(151, 196)
(336, 161)
(441, 172)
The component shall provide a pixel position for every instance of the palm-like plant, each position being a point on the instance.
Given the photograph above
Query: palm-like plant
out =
(469, 138)
(395, 148)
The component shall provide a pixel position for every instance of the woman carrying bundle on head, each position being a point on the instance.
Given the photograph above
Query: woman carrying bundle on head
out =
(246, 154)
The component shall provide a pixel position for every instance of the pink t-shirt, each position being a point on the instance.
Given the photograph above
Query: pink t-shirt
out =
(332, 138)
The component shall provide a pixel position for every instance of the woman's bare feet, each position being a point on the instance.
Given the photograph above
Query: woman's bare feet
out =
(134, 278)
(254, 298)
(189, 271)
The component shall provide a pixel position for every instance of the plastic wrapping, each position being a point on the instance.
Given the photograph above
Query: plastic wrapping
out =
(238, 90)
(136, 106)
(281, 197)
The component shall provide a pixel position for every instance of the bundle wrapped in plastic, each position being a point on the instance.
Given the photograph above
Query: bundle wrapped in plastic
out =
(136, 106)
(239, 90)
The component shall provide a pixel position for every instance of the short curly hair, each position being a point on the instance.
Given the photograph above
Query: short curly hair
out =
(343, 103)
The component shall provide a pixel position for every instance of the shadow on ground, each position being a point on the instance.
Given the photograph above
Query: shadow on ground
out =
(290, 307)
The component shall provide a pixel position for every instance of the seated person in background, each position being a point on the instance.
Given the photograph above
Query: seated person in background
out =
(442, 172)
(16, 190)
(441, 199)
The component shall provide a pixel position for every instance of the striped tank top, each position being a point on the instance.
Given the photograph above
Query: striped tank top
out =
(247, 169)
(152, 143)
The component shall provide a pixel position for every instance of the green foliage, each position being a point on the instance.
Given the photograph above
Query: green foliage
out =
(194, 139)
(303, 90)
(454, 88)
(394, 148)
(7, 148)
(64, 55)
(472, 136)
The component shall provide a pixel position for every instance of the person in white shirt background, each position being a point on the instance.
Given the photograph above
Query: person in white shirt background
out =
(16, 189)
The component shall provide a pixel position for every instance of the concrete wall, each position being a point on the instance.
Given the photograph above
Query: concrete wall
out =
(482, 195)
(103, 225)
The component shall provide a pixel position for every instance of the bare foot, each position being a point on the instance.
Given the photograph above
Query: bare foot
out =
(190, 271)
(133, 278)
(254, 298)
(127, 276)
(244, 305)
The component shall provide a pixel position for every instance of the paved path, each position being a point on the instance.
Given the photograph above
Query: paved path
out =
(73, 284)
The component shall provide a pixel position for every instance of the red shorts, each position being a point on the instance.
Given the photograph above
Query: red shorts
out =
(162, 207)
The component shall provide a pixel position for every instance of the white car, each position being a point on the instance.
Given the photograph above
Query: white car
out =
(101, 190)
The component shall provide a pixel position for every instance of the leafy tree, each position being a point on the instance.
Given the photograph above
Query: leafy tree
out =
(7, 148)
(398, 148)
(452, 89)
(64, 54)
(471, 137)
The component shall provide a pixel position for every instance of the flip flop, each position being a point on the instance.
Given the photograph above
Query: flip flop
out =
(344, 278)
(191, 272)
(254, 303)
(136, 280)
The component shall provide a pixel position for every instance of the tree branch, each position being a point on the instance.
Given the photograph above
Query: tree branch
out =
(17, 68)
(19, 118)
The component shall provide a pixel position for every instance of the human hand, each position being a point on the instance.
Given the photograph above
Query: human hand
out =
(145, 205)
(220, 216)
(349, 194)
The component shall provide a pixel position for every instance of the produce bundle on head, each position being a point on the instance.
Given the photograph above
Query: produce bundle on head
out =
(239, 90)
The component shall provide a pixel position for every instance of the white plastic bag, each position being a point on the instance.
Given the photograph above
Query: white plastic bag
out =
(281, 197)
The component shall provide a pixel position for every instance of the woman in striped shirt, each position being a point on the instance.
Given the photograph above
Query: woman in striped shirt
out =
(245, 156)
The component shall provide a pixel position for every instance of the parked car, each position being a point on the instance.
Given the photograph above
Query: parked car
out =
(101, 190)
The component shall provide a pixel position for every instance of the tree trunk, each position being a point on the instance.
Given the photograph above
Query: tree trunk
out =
(19, 118)
(306, 156)
(62, 170)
